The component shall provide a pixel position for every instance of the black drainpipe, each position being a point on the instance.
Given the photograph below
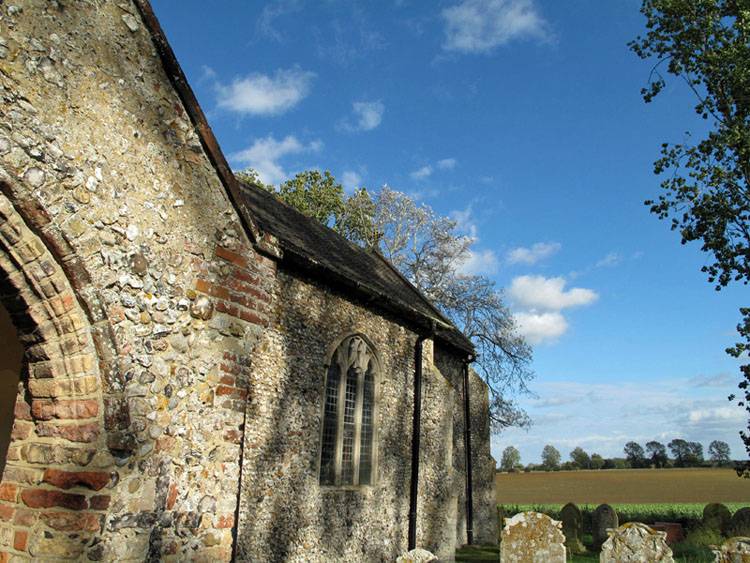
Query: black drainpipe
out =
(415, 436)
(467, 450)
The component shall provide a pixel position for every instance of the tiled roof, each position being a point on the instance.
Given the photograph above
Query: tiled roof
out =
(320, 249)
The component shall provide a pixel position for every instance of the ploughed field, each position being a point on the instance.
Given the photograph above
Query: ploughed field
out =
(622, 486)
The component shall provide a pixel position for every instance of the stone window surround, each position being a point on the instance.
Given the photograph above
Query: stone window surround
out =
(331, 357)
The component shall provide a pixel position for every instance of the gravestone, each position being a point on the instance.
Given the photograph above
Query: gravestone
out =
(717, 517)
(740, 523)
(634, 542)
(605, 518)
(572, 527)
(416, 556)
(531, 537)
(674, 531)
(733, 550)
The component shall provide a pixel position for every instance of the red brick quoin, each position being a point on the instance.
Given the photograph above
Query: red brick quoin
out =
(48, 487)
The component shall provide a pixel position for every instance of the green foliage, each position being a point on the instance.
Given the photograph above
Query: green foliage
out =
(511, 459)
(635, 455)
(702, 536)
(597, 461)
(719, 452)
(580, 458)
(657, 453)
(550, 458)
(316, 195)
(706, 183)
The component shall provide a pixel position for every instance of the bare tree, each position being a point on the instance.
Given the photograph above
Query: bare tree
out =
(430, 251)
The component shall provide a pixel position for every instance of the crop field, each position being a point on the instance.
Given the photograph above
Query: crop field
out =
(623, 486)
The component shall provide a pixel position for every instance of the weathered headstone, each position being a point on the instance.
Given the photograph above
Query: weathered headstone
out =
(733, 550)
(531, 537)
(674, 531)
(417, 555)
(572, 527)
(739, 526)
(717, 517)
(634, 542)
(605, 518)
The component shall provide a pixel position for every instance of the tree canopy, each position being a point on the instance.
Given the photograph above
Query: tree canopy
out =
(634, 454)
(706, 181)
(550, 457)
(510, 459)
(431, 251)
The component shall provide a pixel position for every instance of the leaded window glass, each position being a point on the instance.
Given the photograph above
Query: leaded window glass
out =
(347, 438)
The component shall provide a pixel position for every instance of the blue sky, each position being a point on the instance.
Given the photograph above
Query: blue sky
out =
(523, 120)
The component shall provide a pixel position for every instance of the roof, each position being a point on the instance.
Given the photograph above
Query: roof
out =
(306, 243)
(315, 247)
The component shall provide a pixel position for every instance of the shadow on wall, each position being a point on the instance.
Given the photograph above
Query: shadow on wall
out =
(293, 510)
(11, 356)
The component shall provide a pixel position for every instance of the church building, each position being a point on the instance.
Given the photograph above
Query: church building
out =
(190, 369)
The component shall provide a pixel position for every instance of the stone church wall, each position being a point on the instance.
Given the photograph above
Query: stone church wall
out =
(135, 291)
(156, 335)
(483, 464)
(284, 513)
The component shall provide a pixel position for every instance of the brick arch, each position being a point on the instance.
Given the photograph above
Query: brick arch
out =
(53, 493)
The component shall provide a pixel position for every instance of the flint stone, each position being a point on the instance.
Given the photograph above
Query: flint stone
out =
(634, 542)
(717, 517)
(733, 550)
(572, 528)
(605, 518)
(416, 556)
(530, 537)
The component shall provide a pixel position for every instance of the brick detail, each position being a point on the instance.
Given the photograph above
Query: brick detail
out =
(45, 409)
(72, 522)
(72, 432)
(99, 502)
(45, 498)
(8, 492)
(94, 480)
(20, 540)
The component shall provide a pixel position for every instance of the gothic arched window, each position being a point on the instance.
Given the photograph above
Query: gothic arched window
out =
(347, 452)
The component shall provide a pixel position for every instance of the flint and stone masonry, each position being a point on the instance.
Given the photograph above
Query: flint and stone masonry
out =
(175, 349)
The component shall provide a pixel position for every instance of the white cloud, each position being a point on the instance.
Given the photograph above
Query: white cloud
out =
(718, 380)
(427, 170)
(422, 173)
(538, 292)
(465, 221)
(261, 94)
(273, 11)
(610, 260)
(656, 408)
(717, 414)
(538, 327)
(537, 252)
(351, 180)
(264, 155)
(367, 116)
(478, 26)
(479, 262)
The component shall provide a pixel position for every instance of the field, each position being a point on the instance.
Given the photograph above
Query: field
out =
(623, 486)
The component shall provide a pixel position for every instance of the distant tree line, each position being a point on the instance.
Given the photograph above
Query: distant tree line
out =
(682, 453)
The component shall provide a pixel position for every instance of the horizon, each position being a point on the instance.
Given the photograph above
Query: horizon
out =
(532, 134)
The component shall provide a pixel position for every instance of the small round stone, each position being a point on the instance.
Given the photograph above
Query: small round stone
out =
(202, 308)
(34, 176)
